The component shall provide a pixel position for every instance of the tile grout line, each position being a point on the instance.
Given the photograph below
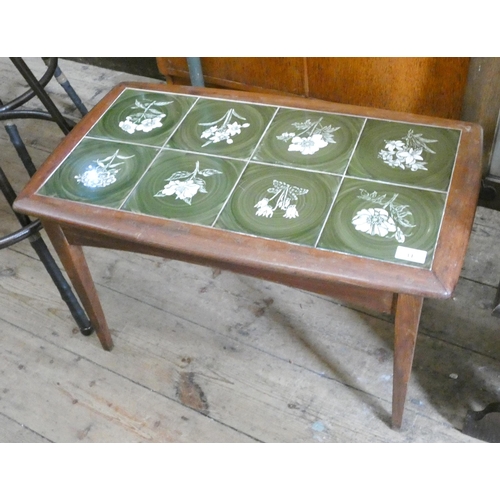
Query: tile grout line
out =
(397, 184)
(340, 185)
(160, 150)
(249, 159)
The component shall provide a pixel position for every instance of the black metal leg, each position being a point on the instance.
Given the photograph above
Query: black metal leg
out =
(62, 285)
(10, 196)
(29, 94)
(484, 424)
(63, 81)
(40, 92)
(47, 260)
(18, 144)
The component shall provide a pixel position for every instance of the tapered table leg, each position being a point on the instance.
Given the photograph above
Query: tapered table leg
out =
(74, 262)
(408, 310)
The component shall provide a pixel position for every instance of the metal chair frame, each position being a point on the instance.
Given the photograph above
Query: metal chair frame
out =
(31, 229)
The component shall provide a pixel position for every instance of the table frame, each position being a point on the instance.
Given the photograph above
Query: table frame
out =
(385, 287)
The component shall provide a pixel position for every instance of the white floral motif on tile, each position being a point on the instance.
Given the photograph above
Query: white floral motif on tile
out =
(407, 152)
(388, 220)
(284, 194)
(189, 186)
(145, 120)
(222, 129)
(102, 173)
(311, 137)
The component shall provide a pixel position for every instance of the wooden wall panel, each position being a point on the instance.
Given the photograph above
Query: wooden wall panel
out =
(274, 74)
(424, 85)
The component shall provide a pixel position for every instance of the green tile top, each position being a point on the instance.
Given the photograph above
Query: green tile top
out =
(361, 186)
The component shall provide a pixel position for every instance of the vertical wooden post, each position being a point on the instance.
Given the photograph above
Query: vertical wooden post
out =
(73, 260)
(408, 310)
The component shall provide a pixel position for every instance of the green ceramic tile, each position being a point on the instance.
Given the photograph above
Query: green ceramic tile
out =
(142, 117)
(185, 187)
(311, 140)
(280, 203)
(405, 154)
(99, 172)
(390, 223)
(223, 128)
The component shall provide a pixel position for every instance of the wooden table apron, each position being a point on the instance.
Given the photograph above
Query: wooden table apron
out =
(377, 285)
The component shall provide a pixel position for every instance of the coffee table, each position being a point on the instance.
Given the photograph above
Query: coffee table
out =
(368, 206)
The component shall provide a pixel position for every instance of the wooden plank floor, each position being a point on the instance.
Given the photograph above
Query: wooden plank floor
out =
(208, 356)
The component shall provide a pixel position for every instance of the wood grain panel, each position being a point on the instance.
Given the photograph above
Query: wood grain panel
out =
(275, 74)
(432, 86)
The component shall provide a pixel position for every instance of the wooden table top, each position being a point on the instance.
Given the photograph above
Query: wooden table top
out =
(367, 197)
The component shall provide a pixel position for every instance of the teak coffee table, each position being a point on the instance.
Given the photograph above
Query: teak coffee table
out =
(372, 207)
